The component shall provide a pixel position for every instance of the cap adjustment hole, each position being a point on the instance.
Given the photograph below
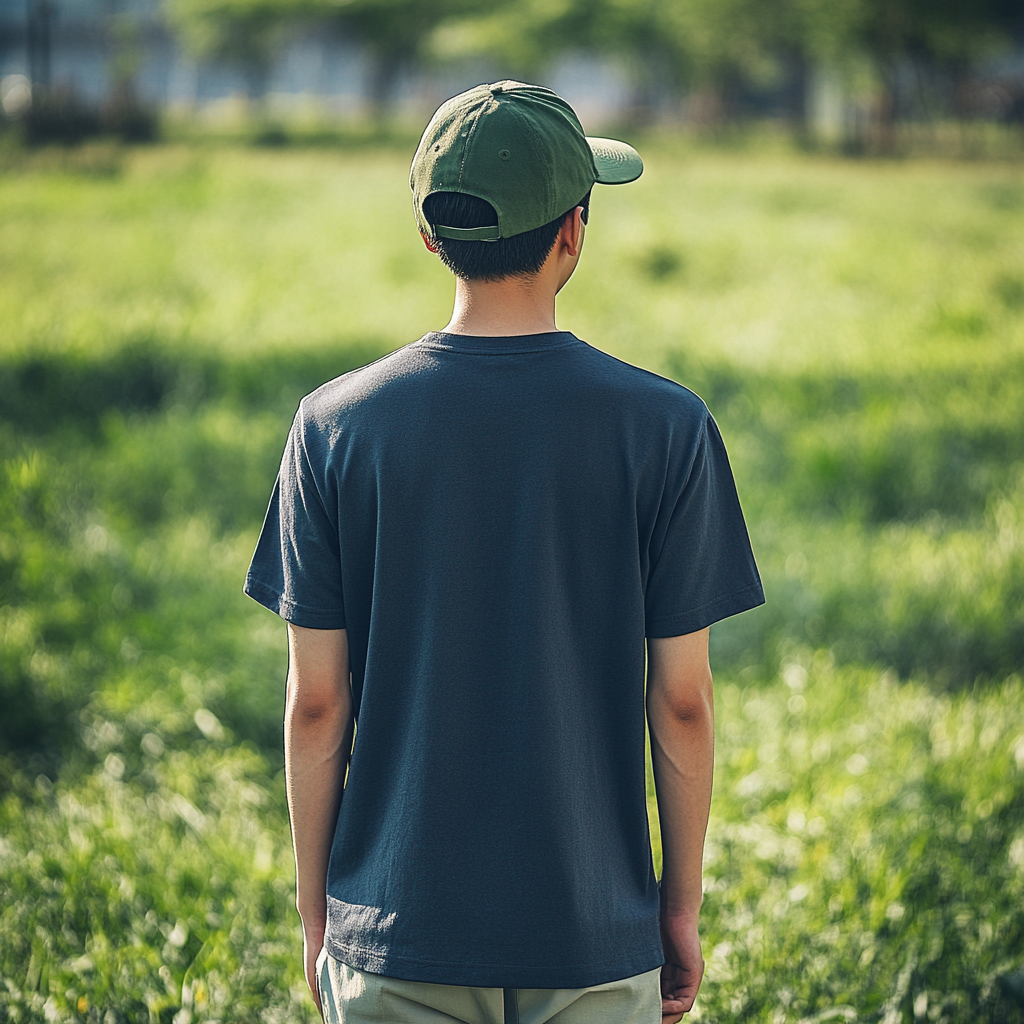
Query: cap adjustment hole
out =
(504, 154)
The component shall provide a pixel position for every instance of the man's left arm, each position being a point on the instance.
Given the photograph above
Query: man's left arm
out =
(318, 726)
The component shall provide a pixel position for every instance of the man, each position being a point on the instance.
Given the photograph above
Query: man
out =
(471, 539)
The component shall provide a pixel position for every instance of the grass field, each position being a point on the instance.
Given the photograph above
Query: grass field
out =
(858, 331)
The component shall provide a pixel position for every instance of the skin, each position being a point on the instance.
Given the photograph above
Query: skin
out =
(317, 742)
(681, 720)
(318, 726)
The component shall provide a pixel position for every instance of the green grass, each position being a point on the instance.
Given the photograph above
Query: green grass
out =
(866, 850)
(134, 900)
(858, 331)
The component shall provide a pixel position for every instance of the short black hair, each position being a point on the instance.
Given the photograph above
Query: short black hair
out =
(490, 261)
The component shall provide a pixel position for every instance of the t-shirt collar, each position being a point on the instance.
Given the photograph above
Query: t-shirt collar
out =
(505, 344)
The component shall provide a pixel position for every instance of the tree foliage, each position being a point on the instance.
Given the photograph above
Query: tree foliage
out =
(245, 33)
(395, 32)
(728, 44)
(666, 45)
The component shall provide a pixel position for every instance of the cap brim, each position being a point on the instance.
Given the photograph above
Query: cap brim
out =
(616, 162)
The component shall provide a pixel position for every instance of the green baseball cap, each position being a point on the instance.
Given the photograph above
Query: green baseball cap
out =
(520, 148)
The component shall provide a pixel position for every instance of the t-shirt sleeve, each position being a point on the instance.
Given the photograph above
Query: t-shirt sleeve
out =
(702, 568)
(296, 570)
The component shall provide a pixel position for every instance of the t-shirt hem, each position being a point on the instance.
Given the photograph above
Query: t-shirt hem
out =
(706, 614)
(290, 611)
(492, 975)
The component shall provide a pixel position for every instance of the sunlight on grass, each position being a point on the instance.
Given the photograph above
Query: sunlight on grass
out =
(858, 331)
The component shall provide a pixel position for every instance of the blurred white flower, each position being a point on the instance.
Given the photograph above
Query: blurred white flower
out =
(15, 94)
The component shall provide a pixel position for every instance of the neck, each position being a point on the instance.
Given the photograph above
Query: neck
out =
(506, 308)
(518, 305)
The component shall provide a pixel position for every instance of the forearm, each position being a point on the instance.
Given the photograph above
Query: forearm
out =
(682, 754)
(317, 742)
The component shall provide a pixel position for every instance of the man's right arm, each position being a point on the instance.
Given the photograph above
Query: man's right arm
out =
(680, 716)
(318, 727)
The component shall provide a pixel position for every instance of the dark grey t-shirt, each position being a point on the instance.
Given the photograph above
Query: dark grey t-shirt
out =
(498, 523)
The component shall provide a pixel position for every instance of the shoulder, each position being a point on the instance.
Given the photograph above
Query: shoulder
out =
(359, 392)
(652, 397)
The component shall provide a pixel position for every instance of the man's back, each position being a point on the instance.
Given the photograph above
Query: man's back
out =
(498, 523)
(471, 540)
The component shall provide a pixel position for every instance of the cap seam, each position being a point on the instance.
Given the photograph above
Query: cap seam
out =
(548, 178)
(469, 138)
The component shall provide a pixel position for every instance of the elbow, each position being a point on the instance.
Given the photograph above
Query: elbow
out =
(689, 703)
(687, 711)
(321, 709)
(309, 714)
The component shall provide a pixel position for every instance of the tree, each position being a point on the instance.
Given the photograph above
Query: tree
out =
(666, 45)
(38, 36)
(246, 33)
(945, 35)
(395, 33)
(721, 47)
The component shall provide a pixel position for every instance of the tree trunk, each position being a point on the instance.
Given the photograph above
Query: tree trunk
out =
(963, 109)
(650, 88)
(39, 39)
(796, 99)
(381, 86)
(885, 111)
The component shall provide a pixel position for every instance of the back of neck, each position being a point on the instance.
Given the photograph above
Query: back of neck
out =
(507, 308)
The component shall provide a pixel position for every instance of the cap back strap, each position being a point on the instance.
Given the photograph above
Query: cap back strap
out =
(488, 233)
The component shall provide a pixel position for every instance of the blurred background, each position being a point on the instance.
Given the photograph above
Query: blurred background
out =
(862, 75)
(204, 214)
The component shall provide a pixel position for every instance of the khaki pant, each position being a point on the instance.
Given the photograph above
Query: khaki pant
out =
(356, 997)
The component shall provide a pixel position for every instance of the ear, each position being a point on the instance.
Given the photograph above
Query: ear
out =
(429, 242)
(572, 232)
